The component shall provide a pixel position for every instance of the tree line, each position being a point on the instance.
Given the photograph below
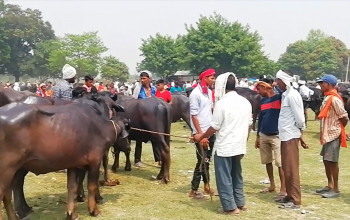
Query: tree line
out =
(214, 42)
(28, 46)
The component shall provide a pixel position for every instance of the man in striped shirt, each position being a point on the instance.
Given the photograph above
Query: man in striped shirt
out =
(334, 118)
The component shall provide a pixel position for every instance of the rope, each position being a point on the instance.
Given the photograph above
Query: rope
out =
(160, 133)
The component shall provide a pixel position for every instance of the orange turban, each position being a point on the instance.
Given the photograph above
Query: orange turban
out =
(264, 84)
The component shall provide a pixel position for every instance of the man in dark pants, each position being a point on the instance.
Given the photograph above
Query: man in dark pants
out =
(146, 90)
(201, 105)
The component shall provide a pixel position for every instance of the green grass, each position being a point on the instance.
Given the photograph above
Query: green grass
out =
(138, 197)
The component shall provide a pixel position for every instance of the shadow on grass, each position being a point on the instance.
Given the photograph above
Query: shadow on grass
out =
(54, 205)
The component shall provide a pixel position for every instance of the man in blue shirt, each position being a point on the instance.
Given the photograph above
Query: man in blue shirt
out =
(267, 139)
(145, 91)
(176, 88)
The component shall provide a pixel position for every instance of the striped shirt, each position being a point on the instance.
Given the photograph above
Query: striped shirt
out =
(330, 126)
(62, 90)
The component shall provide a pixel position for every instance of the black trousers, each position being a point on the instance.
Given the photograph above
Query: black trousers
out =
(138, 152)
(202, 166)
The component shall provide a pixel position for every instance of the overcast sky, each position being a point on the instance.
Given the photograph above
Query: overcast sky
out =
(123, 23)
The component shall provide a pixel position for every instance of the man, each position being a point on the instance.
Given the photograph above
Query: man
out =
(291, 122)
(89, 84)
(334, 118)
(305, 92)
(63, 89)
(101, 87)
(175, 88)
(42, 92)
(267, 140)
(162, 92)
(146, 90)
(201, 105)
(231, 126)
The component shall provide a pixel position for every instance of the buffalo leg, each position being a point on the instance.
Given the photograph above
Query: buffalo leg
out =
(127, 161)
(72, 186)
(8, 206)
(105, 166)
(138, 152)
(21, 206)
(115, 165)
(164, 170)
(80, 176)
(93, 174)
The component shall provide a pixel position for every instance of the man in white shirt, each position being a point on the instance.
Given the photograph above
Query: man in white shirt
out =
(232, 127)
(291, 122)
(201, 105)
(304, 91)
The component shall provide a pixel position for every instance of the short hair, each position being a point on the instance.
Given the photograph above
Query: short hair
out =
(160, 81)
(231, 83)
(87, 78)
(144, 74)
(267, 80)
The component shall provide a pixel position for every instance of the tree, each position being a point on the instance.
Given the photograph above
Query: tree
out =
(113, 69)
(319, 54)
(224, 46)
(81, 51)
(23, 30)
(4, 48)
(161, 55)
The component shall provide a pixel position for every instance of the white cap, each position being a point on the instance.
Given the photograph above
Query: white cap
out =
(68, 71)
(302, 82)
(148, 72)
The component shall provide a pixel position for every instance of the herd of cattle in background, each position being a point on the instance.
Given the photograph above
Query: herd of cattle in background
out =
(44, 135)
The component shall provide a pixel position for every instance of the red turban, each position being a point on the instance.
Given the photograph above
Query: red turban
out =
(208, 72)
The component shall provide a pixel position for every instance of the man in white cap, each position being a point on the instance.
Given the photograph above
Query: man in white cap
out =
(305, 92)
(63, 89)
(291, 122)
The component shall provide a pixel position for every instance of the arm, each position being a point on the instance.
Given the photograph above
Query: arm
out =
(296, 105)
(257, 140)
(196, 124)
(339, 109)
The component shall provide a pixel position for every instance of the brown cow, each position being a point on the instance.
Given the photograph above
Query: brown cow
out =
(24, 131)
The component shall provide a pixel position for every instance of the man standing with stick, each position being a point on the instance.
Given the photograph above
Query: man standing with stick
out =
(201, 105)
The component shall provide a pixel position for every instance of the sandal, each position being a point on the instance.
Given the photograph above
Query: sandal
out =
(289, 205)
(283, 199)
(267, 190)
(197, 195)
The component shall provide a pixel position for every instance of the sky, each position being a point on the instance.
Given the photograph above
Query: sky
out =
(122, 24)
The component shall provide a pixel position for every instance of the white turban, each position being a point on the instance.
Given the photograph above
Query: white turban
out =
(302, 82)
(287, 79)
(220, 85)
(148, 72)
(68, 71)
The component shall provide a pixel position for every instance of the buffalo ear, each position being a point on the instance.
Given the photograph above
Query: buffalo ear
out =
(118, 108)
(94, 97)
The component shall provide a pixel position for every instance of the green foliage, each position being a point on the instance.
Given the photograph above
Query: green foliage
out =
(160, 55)
(81, 51)
(4, 47)
(214, 43)
(226, 47)
(23, 30)
(319, 54)
(113, 69)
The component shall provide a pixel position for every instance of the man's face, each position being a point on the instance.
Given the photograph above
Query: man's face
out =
(209, 80)
(160, 86)
(43, 88)
(89, 83)
(72, 80)
(325, 86)
(261, 90)
(281, 85)
(145, 80)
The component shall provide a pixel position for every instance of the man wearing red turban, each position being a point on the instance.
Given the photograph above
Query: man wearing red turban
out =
(201, 104)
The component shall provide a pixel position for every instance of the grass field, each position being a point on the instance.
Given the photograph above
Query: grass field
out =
(139, 197)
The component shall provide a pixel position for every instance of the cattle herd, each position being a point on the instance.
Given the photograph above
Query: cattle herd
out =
(42, 135)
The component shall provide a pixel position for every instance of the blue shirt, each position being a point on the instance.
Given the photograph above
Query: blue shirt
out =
(269, 114)
(174, 89)
(142, 94)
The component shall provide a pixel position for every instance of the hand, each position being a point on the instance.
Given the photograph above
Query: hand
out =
(257, 142)
(303, 144)
(204, 143)
(197, 137)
